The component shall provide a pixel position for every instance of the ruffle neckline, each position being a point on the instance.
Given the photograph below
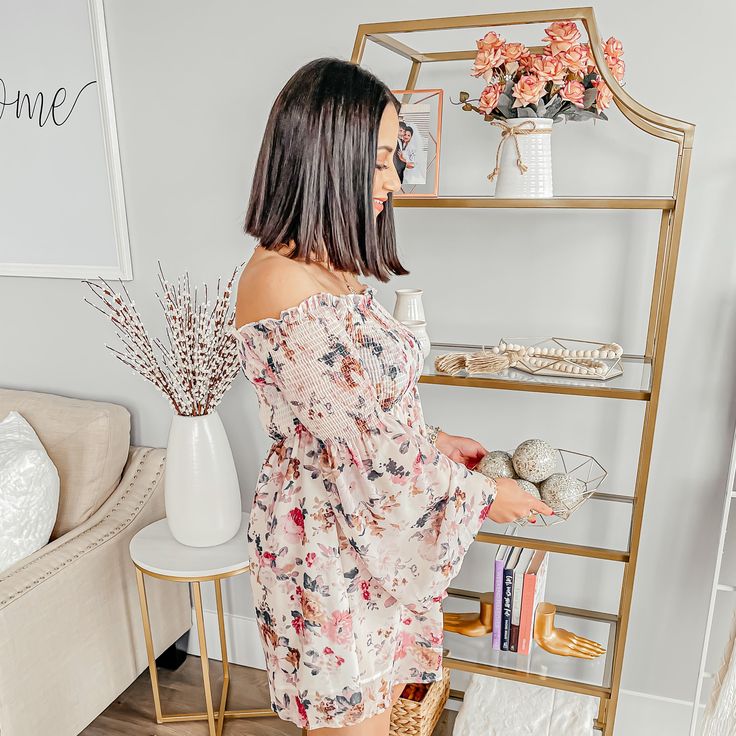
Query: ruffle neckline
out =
(319, 299)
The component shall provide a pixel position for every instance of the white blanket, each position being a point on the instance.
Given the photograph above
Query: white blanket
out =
(496, 707)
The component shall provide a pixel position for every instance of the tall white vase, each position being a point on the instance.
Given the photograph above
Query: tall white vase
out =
(536, 154)
(201, 490)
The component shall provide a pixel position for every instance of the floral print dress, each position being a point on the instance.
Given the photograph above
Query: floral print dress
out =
(358, 522)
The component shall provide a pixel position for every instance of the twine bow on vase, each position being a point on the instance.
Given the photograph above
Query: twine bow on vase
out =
(524, 170)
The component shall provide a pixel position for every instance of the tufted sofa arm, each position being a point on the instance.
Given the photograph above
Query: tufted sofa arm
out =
(70, 618)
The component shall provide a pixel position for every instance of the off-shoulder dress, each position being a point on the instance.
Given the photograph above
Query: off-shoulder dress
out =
(358, 521)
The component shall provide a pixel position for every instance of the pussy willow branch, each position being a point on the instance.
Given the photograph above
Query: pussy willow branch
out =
(201, 359)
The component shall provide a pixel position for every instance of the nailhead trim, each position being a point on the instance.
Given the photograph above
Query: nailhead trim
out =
(100, 539)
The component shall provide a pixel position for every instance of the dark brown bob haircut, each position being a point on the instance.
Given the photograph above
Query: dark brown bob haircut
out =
(313, 182)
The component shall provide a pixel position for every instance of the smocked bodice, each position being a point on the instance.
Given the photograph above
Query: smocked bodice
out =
(388, 351)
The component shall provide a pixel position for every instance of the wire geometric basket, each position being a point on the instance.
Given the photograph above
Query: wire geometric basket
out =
(584, 468)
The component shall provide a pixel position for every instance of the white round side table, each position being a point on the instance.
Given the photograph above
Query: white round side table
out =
(155, 552)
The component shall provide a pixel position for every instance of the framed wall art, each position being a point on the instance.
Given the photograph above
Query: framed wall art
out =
(417, 155)
(62, 203)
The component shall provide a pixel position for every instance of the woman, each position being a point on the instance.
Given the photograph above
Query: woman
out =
(359, 519)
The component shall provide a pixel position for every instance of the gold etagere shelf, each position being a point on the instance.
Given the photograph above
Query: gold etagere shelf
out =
(640, 381)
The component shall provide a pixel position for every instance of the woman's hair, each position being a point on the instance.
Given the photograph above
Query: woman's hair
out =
(313, 182)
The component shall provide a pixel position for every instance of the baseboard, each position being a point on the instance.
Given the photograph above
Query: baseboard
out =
(243, 640)
(244, 648)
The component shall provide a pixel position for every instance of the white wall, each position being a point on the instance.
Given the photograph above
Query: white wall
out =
(193, 84)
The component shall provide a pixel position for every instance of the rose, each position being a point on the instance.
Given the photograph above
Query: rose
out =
(485, 60)
(513, 51)
(293, 524)
(561, 36)
(549, 68)
(489, 97)
(490, 41)
(576, 59)
(585, 47)
(604, 96)
(618, 69)
(527, 61)
(312, 609)
(339, 629)
(528, 90)
(613, 48)
(574, 92)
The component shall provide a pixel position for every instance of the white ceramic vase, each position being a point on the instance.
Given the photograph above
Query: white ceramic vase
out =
(419, 329)
(408, 305)
(201, 491)
(409, 310)
(536, 154)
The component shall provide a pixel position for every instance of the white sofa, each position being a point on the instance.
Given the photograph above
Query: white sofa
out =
(71, 637)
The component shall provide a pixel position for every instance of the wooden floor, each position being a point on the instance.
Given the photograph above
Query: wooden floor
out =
(132, 713)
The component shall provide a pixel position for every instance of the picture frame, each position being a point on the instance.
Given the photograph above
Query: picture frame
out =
(62, 200)
(417, 156)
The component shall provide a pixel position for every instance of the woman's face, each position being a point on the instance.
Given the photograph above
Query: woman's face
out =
(386, 179)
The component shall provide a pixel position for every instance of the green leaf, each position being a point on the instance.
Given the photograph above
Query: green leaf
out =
(504, 104)
(554, 106)
(589, 97)
(467, 107)
(464, 96)
(525, 112)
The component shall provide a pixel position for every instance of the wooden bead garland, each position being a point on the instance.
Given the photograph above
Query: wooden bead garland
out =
(583, 362)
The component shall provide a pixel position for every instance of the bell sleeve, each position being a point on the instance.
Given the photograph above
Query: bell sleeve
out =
(407, 511)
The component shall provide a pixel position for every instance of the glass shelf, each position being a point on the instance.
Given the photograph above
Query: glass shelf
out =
(596, 530)
(635, 382)
(590, 677)
(579, 203)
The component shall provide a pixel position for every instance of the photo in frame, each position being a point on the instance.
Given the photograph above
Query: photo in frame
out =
(417, 155)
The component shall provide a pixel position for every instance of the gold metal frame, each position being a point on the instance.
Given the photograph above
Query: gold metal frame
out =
(214, 720)
(671, 208)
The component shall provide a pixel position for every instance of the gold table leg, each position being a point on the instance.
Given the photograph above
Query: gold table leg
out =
(203, 657)
(149, 644)
(215, 718)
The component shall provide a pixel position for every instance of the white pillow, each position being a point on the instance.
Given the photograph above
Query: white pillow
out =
(29, 491)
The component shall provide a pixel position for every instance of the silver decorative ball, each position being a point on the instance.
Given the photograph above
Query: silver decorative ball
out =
(496, 464)
(561, 491)
(535, 460)
(530, 488)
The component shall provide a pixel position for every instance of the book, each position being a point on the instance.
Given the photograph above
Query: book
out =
(535, 580)
(519, 569)
(508, 592)
(498, 568)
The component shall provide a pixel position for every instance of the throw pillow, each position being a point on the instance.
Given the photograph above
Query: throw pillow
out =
(29, 491)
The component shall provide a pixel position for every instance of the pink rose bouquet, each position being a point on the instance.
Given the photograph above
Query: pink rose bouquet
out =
(561, 82)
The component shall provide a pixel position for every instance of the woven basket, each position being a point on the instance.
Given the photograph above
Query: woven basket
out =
(411, 718)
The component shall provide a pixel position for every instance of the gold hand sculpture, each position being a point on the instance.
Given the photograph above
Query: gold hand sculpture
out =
(472, 624)
(561, 641)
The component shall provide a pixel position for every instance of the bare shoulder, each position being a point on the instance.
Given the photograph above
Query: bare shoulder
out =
(269, 286)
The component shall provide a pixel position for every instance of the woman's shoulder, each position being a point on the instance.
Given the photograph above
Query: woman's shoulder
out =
(269, 286)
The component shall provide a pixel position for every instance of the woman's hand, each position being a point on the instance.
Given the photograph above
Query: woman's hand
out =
(512, 502)
(460, 449)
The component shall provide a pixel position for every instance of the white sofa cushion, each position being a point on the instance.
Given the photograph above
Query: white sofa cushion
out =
(29, 491)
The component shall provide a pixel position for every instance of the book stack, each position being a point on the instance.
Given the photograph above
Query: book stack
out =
(519, 579)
